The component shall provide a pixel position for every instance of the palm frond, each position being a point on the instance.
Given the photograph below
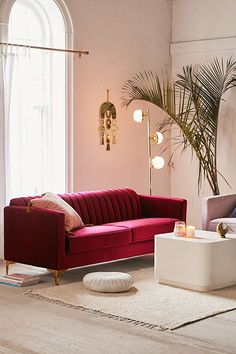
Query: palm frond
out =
(192, 103)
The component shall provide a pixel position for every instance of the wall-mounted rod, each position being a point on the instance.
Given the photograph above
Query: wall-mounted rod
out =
(80, 52)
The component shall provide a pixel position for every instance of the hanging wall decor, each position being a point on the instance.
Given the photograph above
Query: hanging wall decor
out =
(108, 124)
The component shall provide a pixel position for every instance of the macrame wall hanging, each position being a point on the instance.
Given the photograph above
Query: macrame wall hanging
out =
(108, 124)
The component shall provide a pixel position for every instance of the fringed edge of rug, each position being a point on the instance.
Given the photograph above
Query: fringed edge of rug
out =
(120, 318)
(97, 312)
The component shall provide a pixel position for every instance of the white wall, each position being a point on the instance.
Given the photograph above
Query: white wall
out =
(203, 19)
(123, 38)
(202, 30)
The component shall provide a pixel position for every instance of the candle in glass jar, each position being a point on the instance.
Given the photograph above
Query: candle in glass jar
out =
(190, 232)
(179, 229)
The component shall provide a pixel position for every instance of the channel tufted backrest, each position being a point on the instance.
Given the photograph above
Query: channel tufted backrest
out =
(100, 207)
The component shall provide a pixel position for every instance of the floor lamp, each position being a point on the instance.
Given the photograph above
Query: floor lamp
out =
(153, 138)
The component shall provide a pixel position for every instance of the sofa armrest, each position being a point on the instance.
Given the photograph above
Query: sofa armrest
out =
(166, 207)
(217, 206)
(36, 237)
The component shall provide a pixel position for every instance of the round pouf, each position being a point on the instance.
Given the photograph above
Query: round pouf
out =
(108, 282)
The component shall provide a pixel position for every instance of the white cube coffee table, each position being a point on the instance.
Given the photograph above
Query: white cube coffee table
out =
(204, 263)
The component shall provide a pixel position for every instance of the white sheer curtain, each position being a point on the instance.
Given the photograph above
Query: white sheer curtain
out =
(7, 59)
(19, 159)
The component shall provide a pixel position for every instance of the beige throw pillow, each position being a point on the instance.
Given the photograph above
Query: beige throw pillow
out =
(53, 201)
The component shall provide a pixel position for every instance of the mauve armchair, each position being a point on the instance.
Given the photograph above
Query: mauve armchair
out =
(216, 209)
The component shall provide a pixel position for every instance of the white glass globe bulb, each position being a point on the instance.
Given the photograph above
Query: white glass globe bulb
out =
(138, 115)
(159, 137)
(158, 162)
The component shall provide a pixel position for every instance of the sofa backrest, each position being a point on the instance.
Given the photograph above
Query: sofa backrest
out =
(99, 207)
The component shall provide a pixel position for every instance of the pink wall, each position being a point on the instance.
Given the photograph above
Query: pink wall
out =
(124, 38)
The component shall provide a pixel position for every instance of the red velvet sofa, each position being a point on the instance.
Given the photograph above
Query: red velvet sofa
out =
(124, 225)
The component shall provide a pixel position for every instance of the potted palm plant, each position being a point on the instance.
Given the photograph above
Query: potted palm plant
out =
(192, 103)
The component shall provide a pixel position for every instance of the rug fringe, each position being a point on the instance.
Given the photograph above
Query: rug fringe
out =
(120, 318)
(97, 312)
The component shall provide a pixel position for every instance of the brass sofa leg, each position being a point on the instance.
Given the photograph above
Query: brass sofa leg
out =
(57, 275)
(7, 263)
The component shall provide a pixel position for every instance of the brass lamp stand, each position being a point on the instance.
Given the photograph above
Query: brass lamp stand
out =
(153, 138)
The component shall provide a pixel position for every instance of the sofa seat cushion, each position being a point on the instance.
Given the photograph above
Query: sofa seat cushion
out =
(229, 221)
(146, 228)
(96, 237)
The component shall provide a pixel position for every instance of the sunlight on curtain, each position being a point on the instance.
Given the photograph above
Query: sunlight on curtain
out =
(6, 72)
(35, 142)
(22, 166)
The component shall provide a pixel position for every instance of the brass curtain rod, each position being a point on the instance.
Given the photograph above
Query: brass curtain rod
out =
(85, 52)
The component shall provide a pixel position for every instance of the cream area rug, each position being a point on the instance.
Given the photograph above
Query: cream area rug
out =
(148, 303)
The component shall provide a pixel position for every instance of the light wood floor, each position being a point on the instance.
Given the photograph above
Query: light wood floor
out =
(31, 326)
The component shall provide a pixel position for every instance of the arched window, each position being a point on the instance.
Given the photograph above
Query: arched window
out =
(37, 121)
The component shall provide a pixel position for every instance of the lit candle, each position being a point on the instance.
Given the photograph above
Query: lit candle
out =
(180, 229)
(190, 231)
